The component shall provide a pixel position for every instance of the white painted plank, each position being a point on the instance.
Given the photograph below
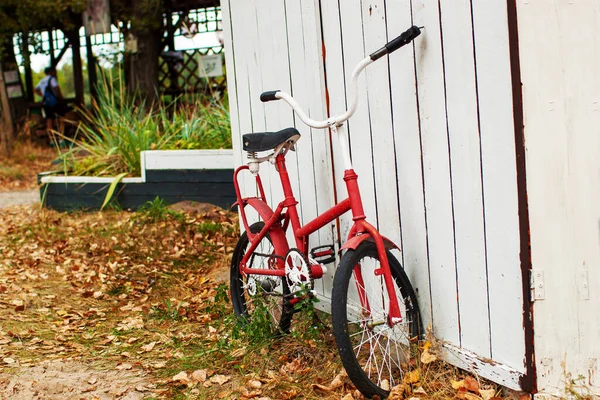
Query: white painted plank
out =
(321, 150)
(313, 149)
(499, 373)
(87, 179)
(499, 181)
(408, 158)
(336, 92)
(188, 159)
(273, 59)
(434, 140)
(242, 43)
(465, 157)
(359, 128)
(230, 62)
(380, 120)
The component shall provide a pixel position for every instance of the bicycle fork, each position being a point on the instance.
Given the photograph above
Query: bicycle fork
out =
(361, 226)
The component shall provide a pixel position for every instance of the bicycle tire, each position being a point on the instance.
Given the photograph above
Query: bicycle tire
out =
(242, 298)
(357, 342)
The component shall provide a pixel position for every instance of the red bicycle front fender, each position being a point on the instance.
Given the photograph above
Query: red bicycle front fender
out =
(355, 241)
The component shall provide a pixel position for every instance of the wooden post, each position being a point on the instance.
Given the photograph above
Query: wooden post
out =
(77, 67)
(91, 65)
(6, 127)
(51, 48)
(173, 74)
(28, 75)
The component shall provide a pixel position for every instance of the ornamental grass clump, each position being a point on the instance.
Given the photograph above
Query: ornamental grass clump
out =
(119, 127)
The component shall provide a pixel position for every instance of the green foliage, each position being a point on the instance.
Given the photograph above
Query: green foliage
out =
(166, 312)
(119, 127)
(157, 210)
(29, 15)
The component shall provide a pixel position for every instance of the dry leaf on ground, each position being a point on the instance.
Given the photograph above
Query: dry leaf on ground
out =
(487, 394)
(412, 376)
(427, 357)
(457, 384)
(471, 384)
(181, 377)
(220, 379)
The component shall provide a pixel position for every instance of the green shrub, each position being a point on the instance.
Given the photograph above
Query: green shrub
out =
(119, 127)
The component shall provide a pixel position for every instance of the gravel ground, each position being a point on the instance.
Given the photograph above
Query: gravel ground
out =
(22, 197)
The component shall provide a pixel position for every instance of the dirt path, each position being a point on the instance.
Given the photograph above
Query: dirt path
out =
(20, 197)
(62, 380)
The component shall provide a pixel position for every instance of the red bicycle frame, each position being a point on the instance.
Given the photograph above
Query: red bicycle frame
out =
(276, 223)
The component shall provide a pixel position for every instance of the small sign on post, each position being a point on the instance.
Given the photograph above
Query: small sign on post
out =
(96, 18)
(210, 66)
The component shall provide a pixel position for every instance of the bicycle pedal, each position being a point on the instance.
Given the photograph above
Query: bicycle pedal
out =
(323, 254)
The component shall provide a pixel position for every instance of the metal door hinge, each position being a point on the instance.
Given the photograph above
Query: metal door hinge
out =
(537, 285)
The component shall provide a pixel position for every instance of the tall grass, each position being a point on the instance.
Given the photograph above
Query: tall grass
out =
(119, 127)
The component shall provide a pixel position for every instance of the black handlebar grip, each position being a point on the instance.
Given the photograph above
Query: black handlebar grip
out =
(269, 96)
(405, 38)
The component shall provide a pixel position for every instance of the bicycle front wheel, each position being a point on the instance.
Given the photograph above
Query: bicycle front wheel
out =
(259, 297)
(373, 353)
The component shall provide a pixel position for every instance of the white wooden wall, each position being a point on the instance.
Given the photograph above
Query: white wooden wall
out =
(560, 61)
(432, 142)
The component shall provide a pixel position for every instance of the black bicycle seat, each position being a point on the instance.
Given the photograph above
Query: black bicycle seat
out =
(263, 141)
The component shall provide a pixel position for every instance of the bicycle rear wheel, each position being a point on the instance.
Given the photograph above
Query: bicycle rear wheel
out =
(259, 296)
(373, 353)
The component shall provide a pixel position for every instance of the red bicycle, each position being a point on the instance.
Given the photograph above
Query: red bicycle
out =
(374, 307)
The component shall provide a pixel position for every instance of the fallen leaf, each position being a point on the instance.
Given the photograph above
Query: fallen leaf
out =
(348, 397)
(427, 357)
(397, 392)
(148, 347)
(457, 384)
(420, 390)
(199, 375)
(337, 382)
(92, 380)
(471, 384)
(181, 377)
(250, 394)
(254, 384)
(220, 379)
(141, 388)
(471, 396)
(412, 376)
(124, 366)
(321, 387)
(8, 360)
(385, 384)
(487, 394)
(238, 352)
(89, 389)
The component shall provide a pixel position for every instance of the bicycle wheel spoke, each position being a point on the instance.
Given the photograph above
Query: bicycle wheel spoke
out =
(373, 351)
(258, 293)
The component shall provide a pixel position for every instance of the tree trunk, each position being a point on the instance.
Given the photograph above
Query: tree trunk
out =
(6, 123)
(147, 28)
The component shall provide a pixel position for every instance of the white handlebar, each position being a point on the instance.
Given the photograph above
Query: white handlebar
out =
(333, 120)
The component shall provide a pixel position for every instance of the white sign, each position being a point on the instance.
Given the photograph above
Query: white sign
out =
(210, 66)
(96, 18)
